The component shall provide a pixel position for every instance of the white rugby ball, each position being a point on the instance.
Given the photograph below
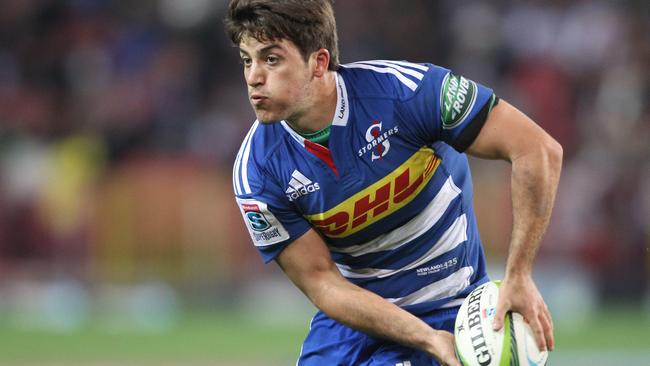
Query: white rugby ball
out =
(478, 345)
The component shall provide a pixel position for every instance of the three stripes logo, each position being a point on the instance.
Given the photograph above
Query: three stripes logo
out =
(300, 186)
(408, 74)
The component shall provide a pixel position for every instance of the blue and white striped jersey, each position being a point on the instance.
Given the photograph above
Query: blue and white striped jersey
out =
(391, 196)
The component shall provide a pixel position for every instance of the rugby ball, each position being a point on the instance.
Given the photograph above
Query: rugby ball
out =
(478, 345)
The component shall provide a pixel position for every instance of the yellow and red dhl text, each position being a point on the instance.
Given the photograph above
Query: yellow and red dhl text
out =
(379, 200)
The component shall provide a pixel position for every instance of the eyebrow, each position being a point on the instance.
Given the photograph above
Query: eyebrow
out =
(264, 50)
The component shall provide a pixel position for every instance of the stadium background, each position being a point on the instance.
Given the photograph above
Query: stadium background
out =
(119, 239)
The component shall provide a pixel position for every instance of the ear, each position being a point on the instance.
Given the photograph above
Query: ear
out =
(321, 61)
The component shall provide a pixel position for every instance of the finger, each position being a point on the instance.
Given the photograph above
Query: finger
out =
(500, 314)
(452, 361)
(547, 324)
(449, 359)
(550, 317)
(548, 331)
(538, 332)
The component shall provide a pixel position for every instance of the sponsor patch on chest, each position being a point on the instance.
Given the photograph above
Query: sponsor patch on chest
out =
(380, 199)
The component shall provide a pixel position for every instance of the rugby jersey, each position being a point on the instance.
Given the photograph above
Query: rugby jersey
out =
(391, 196)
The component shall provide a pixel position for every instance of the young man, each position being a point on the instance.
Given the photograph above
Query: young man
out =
(353, 179)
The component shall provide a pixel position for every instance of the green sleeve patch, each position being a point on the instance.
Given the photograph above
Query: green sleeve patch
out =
(457, 97)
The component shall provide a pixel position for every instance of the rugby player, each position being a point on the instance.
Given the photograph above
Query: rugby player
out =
(354, 179)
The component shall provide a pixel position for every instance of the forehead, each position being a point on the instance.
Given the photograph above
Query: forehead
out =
(251, 45)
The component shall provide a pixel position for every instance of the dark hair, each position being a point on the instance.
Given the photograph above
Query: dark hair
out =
(309, 24)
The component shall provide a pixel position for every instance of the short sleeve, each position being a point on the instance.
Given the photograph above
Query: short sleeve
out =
(272, 222)
(448, 107)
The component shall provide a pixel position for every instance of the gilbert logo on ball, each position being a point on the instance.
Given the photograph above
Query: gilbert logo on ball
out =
(478, 345)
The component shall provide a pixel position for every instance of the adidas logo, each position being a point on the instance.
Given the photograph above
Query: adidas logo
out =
(300, 186)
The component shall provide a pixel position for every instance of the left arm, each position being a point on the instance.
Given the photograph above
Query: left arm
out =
(536, 160)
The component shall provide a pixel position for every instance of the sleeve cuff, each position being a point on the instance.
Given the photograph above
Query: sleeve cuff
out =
(469, 134)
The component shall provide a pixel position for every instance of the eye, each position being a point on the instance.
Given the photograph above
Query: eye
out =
(272, 59)
(245, 61)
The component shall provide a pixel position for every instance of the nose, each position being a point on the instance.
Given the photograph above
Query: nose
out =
(255, 75)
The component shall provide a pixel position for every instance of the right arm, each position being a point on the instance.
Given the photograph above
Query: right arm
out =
(307, 262)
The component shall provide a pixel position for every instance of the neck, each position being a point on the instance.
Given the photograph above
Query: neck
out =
(320, 112)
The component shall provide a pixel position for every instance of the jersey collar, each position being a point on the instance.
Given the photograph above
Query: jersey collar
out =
(342, 105)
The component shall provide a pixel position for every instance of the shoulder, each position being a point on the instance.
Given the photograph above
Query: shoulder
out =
(390, 79)
(261, 141)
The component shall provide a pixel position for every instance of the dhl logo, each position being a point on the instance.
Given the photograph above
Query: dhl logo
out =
(379, 200)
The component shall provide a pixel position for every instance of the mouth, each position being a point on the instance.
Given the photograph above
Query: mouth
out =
(258, 98)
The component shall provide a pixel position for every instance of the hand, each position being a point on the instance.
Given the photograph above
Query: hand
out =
(519, 294)
(443, 349)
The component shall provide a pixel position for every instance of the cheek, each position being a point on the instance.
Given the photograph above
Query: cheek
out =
(289, 90)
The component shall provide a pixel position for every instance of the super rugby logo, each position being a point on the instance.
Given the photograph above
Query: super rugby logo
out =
(378, 142)
(379, 200)
(264, 228)
(255, 217)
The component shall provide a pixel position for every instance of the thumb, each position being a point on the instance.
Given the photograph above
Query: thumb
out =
(497, 323)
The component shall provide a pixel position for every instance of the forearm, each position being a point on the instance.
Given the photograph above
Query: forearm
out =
(307, 262)
(367, 312)
(534, 181)
(536, 160)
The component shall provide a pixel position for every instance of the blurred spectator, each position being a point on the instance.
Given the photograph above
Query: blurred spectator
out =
(119, 123)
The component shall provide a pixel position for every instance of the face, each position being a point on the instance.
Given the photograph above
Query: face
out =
(278, 79)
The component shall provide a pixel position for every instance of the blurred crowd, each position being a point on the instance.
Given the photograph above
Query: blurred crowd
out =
(119, 122)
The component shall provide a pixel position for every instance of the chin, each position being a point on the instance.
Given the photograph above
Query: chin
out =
(268, 118)
(268, 121)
